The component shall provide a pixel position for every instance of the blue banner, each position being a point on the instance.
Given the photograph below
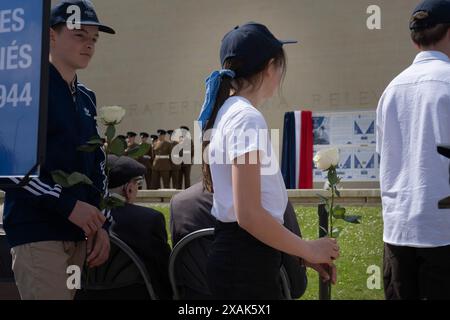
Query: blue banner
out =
(21, 53)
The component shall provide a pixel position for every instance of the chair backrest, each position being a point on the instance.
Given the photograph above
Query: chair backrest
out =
(187, 267)
(123, 269)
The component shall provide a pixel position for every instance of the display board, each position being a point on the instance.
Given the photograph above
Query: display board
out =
(24, 33)
(353, 133)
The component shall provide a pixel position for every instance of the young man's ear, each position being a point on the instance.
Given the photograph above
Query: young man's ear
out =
(52, 36)
(416, 45)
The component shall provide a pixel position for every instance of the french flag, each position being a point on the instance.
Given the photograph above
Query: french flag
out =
(297, 156)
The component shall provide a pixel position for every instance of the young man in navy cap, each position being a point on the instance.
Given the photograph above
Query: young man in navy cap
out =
(47, 225)
(413, 116)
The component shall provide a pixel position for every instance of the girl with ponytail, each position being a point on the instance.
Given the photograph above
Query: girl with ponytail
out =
(241, 169)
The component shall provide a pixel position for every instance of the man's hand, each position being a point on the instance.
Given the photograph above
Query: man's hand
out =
(98, 249)
(325, 271)
(87, 217)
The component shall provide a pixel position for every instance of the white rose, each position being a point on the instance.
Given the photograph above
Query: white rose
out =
(326, 158)
(110, 115)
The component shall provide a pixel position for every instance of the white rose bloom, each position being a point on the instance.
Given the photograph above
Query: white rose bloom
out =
(110, 115)
(326, 158)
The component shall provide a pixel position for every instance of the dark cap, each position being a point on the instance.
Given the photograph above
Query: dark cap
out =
(144, 135)
(161, 132)
(253, 44)
(121, 136)
(184, 128)
(122, 170)
(131, 134)
(88, 16)
(435, 12)
(154, 137)
(169, 132)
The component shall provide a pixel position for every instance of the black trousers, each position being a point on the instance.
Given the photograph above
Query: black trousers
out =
(240, 267)
(185, 174)
(415, 273)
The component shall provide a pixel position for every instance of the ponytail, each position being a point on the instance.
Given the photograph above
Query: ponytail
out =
(222, 95)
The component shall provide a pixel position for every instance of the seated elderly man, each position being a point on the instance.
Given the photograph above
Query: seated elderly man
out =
(143, 229)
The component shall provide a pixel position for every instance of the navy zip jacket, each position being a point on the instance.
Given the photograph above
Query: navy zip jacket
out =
(39, 211)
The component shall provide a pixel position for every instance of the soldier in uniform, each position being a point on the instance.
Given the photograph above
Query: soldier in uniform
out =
(185, 172)
(131, 142)
(161, 163)
(175, 170)
(154, 138)
(147, 159)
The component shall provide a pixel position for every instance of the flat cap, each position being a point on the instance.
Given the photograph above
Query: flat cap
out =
(123, 169)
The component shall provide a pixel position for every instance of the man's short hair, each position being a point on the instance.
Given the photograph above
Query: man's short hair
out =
(428, 35)
(59, 27)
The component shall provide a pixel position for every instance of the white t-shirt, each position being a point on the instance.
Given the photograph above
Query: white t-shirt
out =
(413, 117)
(239, 129)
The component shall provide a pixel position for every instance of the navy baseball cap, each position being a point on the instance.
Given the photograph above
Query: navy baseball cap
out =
(122, 170)
(253, 44)
(88, 16)
(435, 12)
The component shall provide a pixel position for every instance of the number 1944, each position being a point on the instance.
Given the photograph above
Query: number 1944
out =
(14, 96)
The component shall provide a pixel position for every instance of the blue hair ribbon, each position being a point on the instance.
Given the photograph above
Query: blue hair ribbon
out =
(212, 89)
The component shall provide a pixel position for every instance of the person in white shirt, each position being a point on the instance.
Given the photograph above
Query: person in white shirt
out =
(250, 197)
(413, 117)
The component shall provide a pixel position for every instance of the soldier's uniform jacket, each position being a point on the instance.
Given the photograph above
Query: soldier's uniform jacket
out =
(162, 151)
(147, 159)
(175, 167)
(191, 153)
(131, 147)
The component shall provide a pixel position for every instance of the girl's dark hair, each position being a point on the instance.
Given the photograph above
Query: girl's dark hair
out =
(236, 85)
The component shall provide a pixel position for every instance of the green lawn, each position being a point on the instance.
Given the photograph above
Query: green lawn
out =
(361, 247)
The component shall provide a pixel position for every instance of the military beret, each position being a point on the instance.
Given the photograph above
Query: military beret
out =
(131, 134)
(144, 135)
(122, 170)
(162, 131)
